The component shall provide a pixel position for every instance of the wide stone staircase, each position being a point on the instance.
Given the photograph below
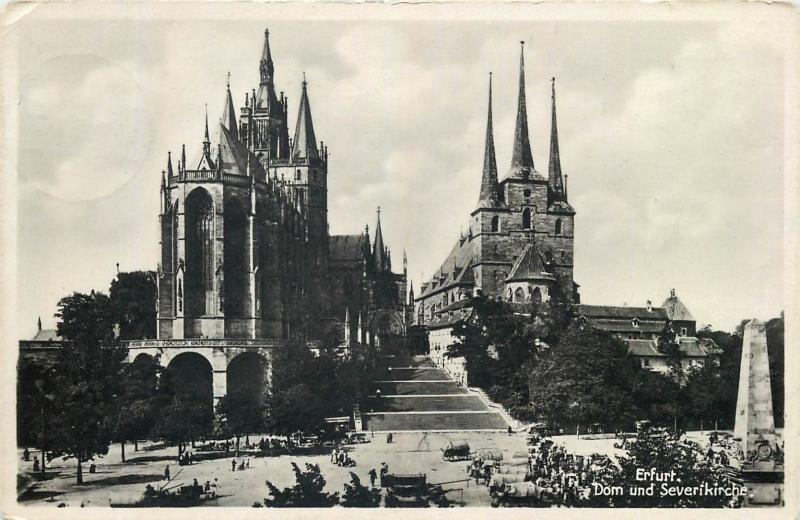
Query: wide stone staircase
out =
(415, 395)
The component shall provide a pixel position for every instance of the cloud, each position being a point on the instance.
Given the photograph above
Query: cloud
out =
(671, 134)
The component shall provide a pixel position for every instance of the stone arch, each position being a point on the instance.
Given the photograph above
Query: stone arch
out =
(536, 296)
(247, 372)
(189, 377)
(142, 357)
(519, 295)
(558, 226)
(235, 259)
(199, 283)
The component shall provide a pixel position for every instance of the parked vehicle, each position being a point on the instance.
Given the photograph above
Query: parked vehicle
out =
(456, 450)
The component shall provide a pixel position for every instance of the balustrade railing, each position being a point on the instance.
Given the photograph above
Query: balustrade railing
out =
(211, 343)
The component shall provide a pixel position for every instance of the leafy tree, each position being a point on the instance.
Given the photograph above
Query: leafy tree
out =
(133, 297)
(358, 495)
(184, 417)
(135, 411)
(663, 452)
(502, 342)
(587, 377)
(88, 366)
(244, 412)
(292, 401)
(36, 397)
(657, 397)
(308, 490)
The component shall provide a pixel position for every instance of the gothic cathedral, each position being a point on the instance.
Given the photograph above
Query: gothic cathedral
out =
(245, 248)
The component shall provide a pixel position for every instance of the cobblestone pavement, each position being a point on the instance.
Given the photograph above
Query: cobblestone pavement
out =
(409, 453)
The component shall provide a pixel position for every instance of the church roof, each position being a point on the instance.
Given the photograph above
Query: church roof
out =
(46, 335)
(529, 266)
(346, 247)
(304, 145)
(621, 312)
(675, 308)
(456, 269)
(689, 347)
(228, 119)
(233, 155)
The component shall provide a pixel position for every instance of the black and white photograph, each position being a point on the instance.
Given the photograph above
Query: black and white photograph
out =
(488, 255)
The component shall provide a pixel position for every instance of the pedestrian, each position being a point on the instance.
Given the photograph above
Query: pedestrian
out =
(248, 464)
(372, 477)
(335, 455)
(233, 464)
(207, 487)
(195, 484)
(166, 473)
(35, 463)
(26, 455)
(510, 431)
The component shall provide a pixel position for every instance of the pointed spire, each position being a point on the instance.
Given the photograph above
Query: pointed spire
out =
(379, 250)
(183, 157)
(169, 165)
(411, 294)
(522, 159)
(267, 69)
(266, 98)
(206, 163)
(304, 145)
(555, 181)
(488, 195)
(39, 323)
(206, 140)
(228, 119)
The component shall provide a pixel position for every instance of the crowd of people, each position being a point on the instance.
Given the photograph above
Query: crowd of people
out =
(555, 477)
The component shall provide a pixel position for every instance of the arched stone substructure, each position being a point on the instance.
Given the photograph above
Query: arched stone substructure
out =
(247, 373)
(190, 376)
(218, 353)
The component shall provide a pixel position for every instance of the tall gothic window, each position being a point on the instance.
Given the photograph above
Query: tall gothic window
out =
(235, 264)
(536, 297)
(495, 224)
(558, 226)
(526, 218)
(519, 295)
(199, 252)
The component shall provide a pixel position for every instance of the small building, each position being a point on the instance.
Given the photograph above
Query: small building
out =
(641, 327)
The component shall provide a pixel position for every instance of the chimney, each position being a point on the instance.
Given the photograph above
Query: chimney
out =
(649, 306)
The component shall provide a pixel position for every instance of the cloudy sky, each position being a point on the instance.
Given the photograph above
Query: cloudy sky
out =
(671, 134)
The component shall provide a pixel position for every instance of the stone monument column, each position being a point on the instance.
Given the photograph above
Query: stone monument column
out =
(755, 424)
(761, 467)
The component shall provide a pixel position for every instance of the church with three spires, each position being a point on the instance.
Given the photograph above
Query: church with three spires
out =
(246, 252)
(518, 246)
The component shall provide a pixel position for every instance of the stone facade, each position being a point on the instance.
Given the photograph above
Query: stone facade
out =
(247, 261)
(519, 242)
(245, 249)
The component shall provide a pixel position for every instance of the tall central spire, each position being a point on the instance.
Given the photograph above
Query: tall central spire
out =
(304, 145)
(555, 182)
(265, 97)
(267, 68)
(522, 159)
(488, 195)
